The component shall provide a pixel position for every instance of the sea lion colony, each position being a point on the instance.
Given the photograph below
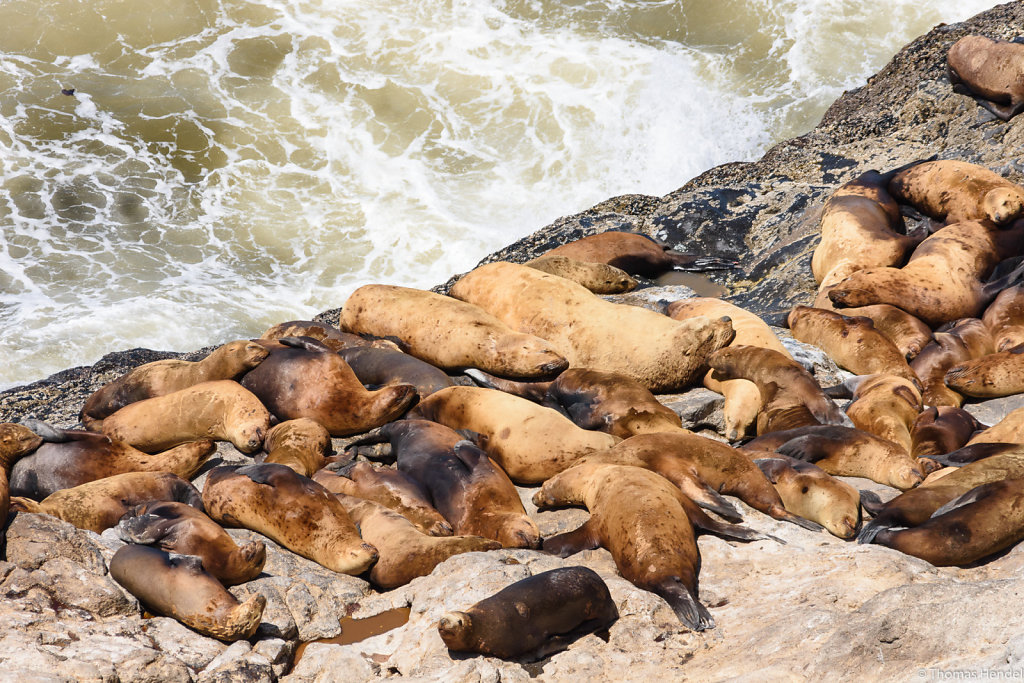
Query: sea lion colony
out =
(567, 404)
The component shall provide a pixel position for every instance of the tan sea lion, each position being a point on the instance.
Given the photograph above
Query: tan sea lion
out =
(906, 332)
(662, 354)
(1008, 430)
(529, 442)
(886, 406)
(16, 441)
(809, 492)
(991, 376)
(182, 529)
(535, 615)
(301, 444)
(952, 344)
(223, 411)
(1004, 318)
(163, 377)
(942, 429)
(634, 253)
(957, 191)
(176, 586)
(424, 321)
(98, 505)
(599, 278)
(990, 71)
(291, 510)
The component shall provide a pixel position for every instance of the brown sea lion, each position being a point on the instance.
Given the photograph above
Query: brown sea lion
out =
(538, 613)
(1008, 430)
(176, 586)
(990, 71)
(847, 452)
(100, 504)
(599, 278)
(377, 368)
(790, 396)
(223, 411)
(529, 442)
(957, 191)
(182, 529)
(424, 321)
(886, 406)
(943, 280)
(942, 429)
(809, 492)
(292, 510)
(301, 444)
(163, 377)
(1004, 318)
(405, 552)
(16, 441)
(906, 332)
(331, 336)
(309, 380)
(634, 253)
(952, 344)
(991, 376)
(390, 488)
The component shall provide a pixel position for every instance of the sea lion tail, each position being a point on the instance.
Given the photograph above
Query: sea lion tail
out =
(693, 614)
(19, 504)
(870, 530)
(46, 430)
(243, 620)
(870, 501)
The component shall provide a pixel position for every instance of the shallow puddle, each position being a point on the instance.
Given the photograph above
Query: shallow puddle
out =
(695, 281)
(355, 630)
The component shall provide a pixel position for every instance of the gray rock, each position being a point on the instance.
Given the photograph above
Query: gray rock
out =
(32, 539)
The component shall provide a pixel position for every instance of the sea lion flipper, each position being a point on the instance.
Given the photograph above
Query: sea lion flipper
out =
(972, 496)
(693, 614)
(801, 522)
(806, 448)
(870, 501)
(469, 453)
(48, 432)
(305, 343)
(572, 542)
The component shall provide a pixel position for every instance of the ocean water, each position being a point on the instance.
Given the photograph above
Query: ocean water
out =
(224, 165)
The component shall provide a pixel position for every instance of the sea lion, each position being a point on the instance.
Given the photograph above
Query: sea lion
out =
(16, 441)
(292, 510)
(957, 191)
(529, 442)
(991, 376)
(330, 336)
(990, 71)
(301, 444)
(309, 380)
(853, 343)
(662, 354)
(942, 429)
(71, 457)
(472, 493)
(1004, 318)
(405, 552)
(790, 396)
(100, 504)
(538, 613)
(973, 453)
(163, 377)
(604, 401)
(1008, 430)
(388, 487)
(847, 452)
(182, 529)
(906, 332)
(886, 406)
(424, 321)
(599, 278)
(223, 411)
(377, 368)
(634, 253)
(742, 398)
(176, 586)
(811, 493)
(942, 280)
(952, 344)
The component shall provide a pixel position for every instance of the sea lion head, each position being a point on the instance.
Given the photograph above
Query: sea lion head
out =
(518, 531)
(15, 441)
(905, 478)
(456, 629)
(1003, 204)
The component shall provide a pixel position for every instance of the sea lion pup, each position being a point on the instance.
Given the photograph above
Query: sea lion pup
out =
(529, 442)
(176, 586)
(331, 336)
(390, 488)
(301, 444)
(942, 281)
(845, 452)
(182, 529)
(886, 406)
(472, 493)
(703, 469)
(15, 442)
(742, 398)
(309, 380)
(990, 71)
(604, 401)
(809, 492)
(163, 377)
(377, 368)
(906, 332)
(405, 552)
(991, 376)
(70, 457)
(599, 278)
(424, 321)
(952, 344)
(538, 615)
(98, 505)
(853, 343)
(646, 523)
(223, 411)
(1008, 430)
(942, 429)
(790, 396)
(292, 510)
(1004, 318)
(635, 253)
(662, 354)
(956, 191)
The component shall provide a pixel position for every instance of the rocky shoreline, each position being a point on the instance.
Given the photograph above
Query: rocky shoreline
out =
(816, 606)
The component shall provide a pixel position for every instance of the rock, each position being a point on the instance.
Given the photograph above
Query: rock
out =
(32, 539)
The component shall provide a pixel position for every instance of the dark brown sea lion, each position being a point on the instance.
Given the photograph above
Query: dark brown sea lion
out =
(163, 377)
(952, 344)
(182, 529)
(100, 504)
(529, 442)
(991, 376)
(301, 444)
(16, 441)
(599, 278)
(424, 321)
(634, 253)
(886, 406)
(176, 586)
(957, 191)
(909, 334)
(1004, 318)
(942, 429)
(405, 552)
(377, 368)
(662, 354)
(309, 380)
(990, 71)
(291, 510)
(809, 492)
(537, 613)
(223, 411)
(472, 493)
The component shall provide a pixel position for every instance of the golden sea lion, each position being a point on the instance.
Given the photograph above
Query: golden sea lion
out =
(1008, 430)
(634, 253)
(886, 406)
(990, 376)
(1004, 318)
(809, 492)
(301, 444)
(990, 71)
(906, 332)
(16, 441)
(952, 344)
(599, 278)
(957, 191)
